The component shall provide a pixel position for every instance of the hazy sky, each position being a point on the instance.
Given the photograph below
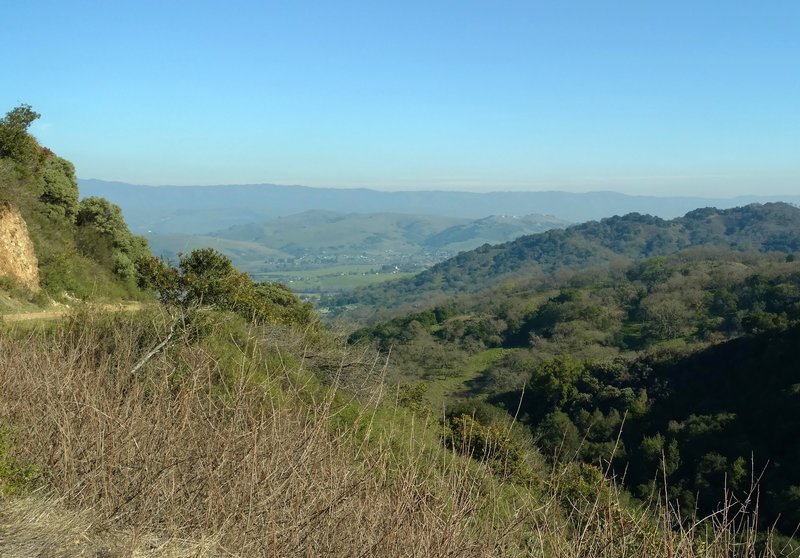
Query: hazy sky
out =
(669, 97)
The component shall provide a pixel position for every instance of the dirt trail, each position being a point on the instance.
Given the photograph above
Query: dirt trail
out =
(60, 313)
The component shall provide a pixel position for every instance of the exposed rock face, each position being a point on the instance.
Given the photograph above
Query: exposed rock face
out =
(17, 257)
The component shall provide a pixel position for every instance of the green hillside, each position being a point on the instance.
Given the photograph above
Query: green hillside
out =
(245, 255)
(347, 233)
(84, 248)
(676, 371)
(342, 232)
(597, 244)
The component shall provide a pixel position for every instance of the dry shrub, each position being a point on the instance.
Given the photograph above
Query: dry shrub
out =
(177, 451)
(38, 526)
(247, 457)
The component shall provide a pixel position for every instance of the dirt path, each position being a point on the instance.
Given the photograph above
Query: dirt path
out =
(26, 316)
(60, 313)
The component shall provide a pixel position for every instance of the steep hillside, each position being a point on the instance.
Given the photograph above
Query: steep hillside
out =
(612, 241)
(729, 410)
(721, 418)
(51, 239)
(677, 371)
(200, 434)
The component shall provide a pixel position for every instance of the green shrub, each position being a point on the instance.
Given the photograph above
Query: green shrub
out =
(15, 477)
(206, 277)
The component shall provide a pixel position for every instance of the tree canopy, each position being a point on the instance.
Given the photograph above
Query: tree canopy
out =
(15, 141)
(205, 277)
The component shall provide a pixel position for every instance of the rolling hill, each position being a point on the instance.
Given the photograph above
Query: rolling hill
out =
(665, 350)
(616, 240)
(318, 239)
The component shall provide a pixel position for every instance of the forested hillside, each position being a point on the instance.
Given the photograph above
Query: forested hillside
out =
(602, 245)
(678, 372)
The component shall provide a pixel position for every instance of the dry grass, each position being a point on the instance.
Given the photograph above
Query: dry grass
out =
(37, 526)
(202, 454)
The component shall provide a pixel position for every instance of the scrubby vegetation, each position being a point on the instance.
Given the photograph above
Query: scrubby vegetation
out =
(678, 373)
(206, 277)
(228, 442)
(85, 248)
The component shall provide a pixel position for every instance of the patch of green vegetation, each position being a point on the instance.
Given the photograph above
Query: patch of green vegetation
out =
(16, 477)
(331, 279)
(207, 278)
(441, 391)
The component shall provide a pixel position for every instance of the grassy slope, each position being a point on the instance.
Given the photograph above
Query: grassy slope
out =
(244, 254)
(236, 443)
(442, 391)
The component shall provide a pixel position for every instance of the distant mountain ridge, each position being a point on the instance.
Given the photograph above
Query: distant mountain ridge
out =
(202, 209)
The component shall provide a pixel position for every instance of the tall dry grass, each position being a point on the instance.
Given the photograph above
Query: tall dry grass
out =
(194, 450)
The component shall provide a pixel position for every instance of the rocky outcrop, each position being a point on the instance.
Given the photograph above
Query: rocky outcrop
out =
(17, 256)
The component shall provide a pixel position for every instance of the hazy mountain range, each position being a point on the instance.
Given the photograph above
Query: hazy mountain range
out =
(203, 209)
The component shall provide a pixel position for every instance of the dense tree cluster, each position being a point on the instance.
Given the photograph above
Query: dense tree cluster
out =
(105, 235)
(16, 144)
(698, 423)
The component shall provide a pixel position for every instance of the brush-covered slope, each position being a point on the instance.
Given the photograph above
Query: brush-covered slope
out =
(680, 371)
(729, 410)
(722, 418)
(616, 240)
(199, 434)
(81, 248)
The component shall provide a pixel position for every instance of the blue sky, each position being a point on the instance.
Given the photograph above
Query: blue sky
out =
(639, 97)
